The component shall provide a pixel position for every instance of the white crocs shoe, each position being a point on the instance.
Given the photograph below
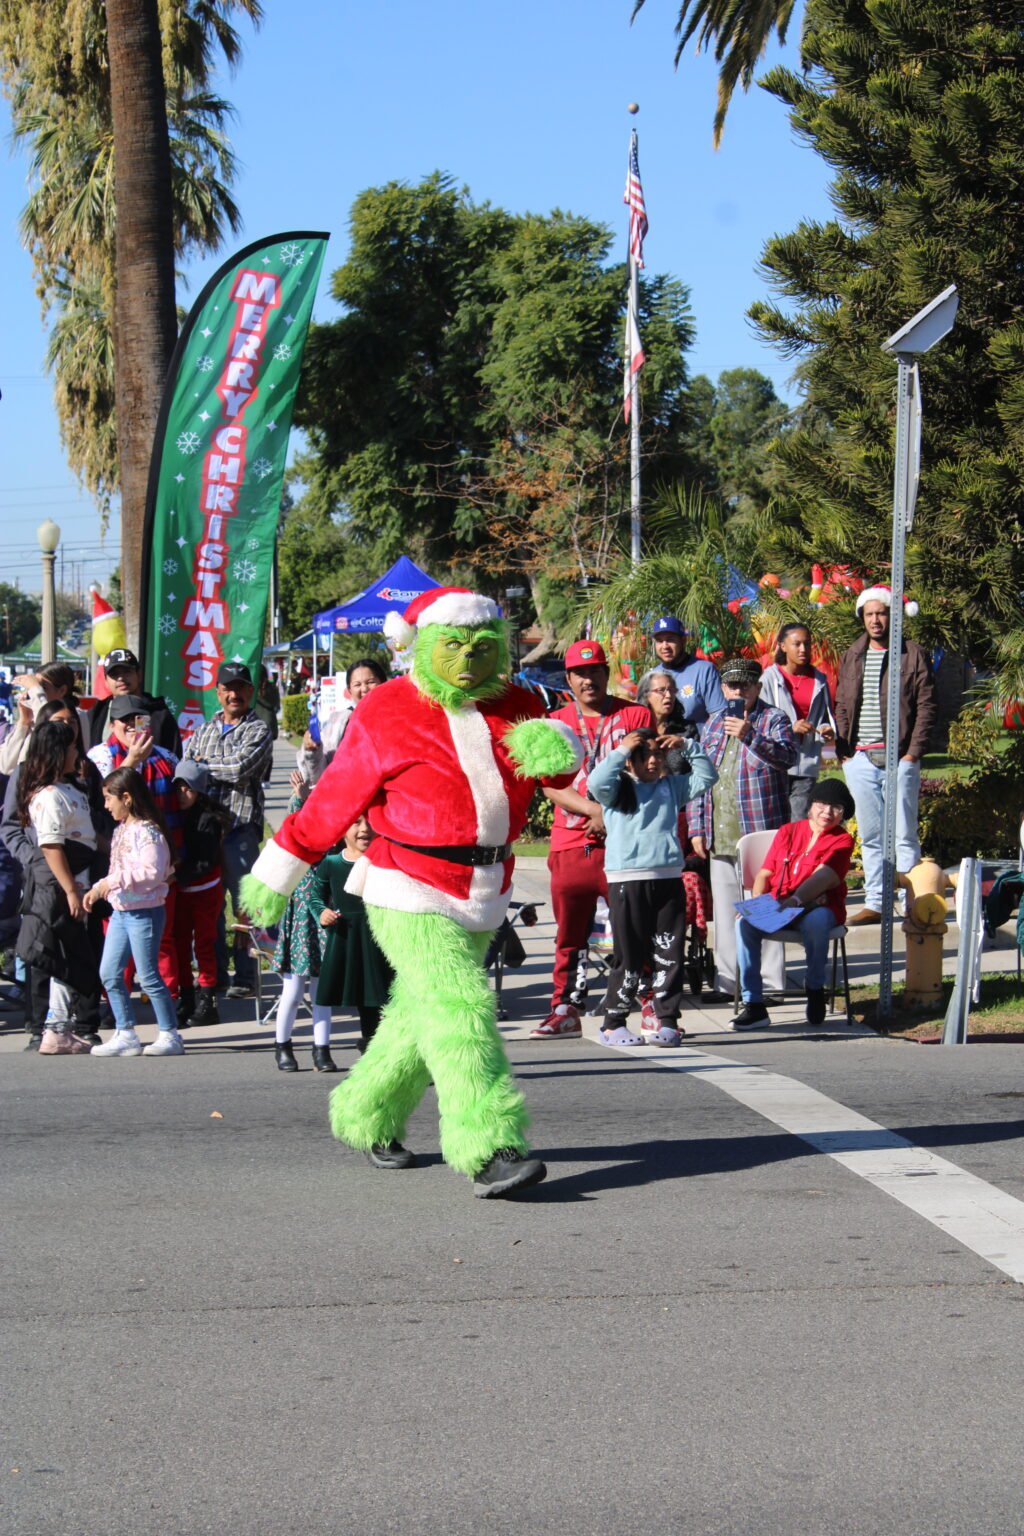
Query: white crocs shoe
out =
(167, 1043)
(123, 1042)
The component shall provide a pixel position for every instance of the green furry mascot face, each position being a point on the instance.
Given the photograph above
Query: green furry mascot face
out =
(456, 666)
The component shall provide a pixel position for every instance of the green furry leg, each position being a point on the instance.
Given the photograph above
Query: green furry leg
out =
(381, 1091)
(439, 1024)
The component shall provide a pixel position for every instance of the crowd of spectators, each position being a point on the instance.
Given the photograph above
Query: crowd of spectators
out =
(700, 758)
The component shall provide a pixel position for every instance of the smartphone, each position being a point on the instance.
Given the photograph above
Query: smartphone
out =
(735, 708)
(142, 725)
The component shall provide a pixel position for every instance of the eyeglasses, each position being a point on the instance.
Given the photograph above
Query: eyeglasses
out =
(669, 691)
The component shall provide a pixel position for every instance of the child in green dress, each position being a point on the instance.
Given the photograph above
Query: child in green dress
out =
(297, 960)
(353, 971)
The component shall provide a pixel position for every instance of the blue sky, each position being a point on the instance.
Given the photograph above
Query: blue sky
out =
(525, 105)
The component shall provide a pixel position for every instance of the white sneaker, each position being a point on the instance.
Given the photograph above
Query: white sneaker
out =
(167, 1043)
(123, 1042)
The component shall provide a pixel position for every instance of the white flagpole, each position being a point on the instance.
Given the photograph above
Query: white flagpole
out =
(632, 336)
(634, 432)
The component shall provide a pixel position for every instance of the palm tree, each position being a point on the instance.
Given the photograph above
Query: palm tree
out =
(145, 324)
(738, 31)
(57, 70)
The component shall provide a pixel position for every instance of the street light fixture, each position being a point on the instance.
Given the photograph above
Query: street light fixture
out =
(919, 335)
(48, 537)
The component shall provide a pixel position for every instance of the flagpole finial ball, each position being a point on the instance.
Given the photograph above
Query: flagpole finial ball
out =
(634, 107)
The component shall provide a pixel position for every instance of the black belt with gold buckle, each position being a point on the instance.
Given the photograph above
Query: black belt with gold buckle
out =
(459, 853)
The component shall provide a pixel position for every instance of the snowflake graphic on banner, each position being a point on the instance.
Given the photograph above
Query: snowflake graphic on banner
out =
(188, 442)
(282, 353)
(168, 624)
(205, 363)
(244, 571)
(170, 567)
(262, 468)
(292, 254)
(252, 544)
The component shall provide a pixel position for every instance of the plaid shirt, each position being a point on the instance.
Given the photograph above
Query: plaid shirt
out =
(762, 778)
(239, 760)
(157, 772)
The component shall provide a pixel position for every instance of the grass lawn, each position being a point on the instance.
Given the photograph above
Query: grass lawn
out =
(531, 850)
(999, 1014)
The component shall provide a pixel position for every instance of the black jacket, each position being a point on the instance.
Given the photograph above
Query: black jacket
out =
(50, 940)
(162, 724)
(202, 831)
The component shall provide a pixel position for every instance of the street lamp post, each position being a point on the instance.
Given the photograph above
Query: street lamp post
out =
(919, 335)
(48, 535)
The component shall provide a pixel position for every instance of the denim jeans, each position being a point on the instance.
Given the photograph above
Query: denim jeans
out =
(239, 852)
(813, 929)
(866, 782)
(136, 934)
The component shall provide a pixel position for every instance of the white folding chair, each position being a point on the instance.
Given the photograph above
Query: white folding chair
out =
(751, 852)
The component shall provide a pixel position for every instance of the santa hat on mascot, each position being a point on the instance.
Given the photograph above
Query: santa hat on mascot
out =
(108, 634)
(883, 594)
(458, 607)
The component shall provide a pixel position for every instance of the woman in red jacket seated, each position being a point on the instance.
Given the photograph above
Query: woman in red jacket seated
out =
(805, 869)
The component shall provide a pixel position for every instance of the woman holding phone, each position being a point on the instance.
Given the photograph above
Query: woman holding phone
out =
(753, 748)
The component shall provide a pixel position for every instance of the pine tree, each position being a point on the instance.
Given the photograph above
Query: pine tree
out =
(920, 109)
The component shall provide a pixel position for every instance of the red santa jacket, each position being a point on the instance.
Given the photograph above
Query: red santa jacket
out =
(422, 774)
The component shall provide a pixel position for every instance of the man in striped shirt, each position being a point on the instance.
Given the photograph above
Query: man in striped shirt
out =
(860, 740)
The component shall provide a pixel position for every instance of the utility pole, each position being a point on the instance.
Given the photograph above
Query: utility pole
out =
(919, 335)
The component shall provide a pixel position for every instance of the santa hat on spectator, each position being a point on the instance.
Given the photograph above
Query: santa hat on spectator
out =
(458, 607)
(883, 594)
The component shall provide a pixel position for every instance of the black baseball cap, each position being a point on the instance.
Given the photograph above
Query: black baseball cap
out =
(127, 706)
(233, 672)
(120, 658)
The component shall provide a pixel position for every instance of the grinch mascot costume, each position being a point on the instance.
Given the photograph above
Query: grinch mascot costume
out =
(443, 762)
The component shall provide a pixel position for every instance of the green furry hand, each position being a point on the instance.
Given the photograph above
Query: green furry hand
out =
(539, 750)
(259, 903)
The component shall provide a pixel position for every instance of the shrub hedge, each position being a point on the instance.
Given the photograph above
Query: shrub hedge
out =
(295, 713)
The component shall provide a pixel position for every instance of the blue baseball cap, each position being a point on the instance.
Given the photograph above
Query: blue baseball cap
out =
(669, 625)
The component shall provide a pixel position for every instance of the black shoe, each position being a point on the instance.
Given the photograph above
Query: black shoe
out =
(816, 1009)
(322, 1059)
(33, 1042)
(239, 989)
(205, 1010)
(285, 1056)
(90, 1037)
(185, 1007)
(391, 1155)
(751, 1016)
(507, 1170)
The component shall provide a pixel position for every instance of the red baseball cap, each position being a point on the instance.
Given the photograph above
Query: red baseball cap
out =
(585, 653)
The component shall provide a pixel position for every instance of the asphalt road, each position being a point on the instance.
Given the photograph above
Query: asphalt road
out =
(217, 1320)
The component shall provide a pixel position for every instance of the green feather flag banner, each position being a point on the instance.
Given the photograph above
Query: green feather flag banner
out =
(217, 468)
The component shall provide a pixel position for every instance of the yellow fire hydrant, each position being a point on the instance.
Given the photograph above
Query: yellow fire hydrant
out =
(924, 927)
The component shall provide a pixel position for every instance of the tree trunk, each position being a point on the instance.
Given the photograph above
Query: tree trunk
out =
(145, 324)
(547, 645)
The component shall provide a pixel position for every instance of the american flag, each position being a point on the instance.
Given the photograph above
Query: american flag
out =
(634, 199)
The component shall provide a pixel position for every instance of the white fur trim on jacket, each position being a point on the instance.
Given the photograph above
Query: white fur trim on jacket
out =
(480, 912)
(461, 610)
(280, 870)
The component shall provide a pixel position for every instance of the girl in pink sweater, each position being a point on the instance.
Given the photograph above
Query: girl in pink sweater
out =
(141, 868)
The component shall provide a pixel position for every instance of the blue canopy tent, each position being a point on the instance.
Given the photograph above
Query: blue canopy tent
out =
(365, 613)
